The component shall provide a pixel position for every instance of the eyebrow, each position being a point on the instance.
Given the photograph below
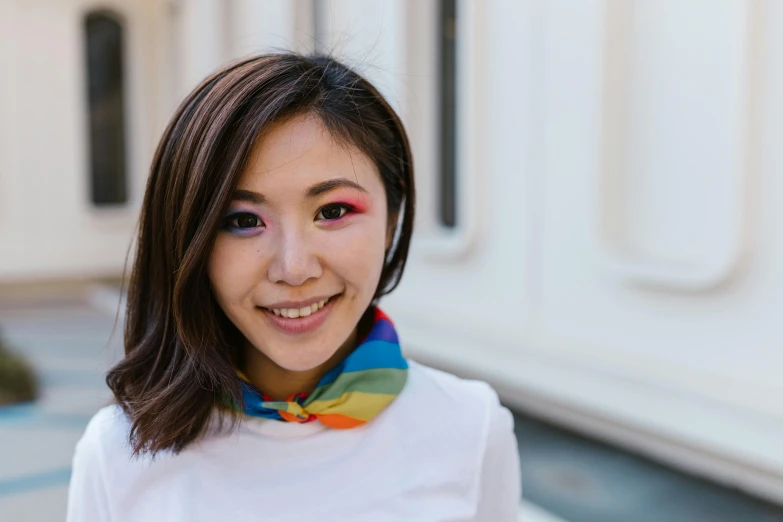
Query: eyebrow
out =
(332, 184)
(248, 196)
(313, 192)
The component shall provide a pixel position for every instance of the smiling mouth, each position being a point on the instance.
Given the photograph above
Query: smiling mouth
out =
(296, 313)
(298, 321)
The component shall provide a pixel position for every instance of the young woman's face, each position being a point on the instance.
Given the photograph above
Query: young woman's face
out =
(302, 246)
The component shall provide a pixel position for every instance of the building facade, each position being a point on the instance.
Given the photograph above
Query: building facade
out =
(599, 218)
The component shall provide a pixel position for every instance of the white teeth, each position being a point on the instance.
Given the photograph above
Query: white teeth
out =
(294, 313)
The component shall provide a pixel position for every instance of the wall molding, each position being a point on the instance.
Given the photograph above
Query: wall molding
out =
(698, 434)
(716, 270)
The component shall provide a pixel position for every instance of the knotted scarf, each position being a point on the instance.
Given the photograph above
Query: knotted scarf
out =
(350, 394)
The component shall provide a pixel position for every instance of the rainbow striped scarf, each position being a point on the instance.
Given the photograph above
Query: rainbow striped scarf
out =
(350, 394)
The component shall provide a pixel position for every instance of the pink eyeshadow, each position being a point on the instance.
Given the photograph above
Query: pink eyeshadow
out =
(358, 205)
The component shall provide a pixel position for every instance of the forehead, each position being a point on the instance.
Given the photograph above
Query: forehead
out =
(301, 151)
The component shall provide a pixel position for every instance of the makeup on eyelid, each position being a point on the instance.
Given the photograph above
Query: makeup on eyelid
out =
(351, 206)
(355, 205)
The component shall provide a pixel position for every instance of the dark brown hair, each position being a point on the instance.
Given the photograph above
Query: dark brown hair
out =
(180, 349)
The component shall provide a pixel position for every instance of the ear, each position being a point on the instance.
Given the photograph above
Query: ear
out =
(391, 228)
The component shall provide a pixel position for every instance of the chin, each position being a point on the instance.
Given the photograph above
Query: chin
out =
(303, 362)
(300, 366)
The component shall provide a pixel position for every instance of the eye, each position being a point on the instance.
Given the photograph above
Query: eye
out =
(243, 221)
(333, 212)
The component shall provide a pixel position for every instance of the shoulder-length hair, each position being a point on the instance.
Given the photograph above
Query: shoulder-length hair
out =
(180, 349)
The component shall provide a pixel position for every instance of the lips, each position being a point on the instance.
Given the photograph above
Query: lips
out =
(298, 311)
(300, 324)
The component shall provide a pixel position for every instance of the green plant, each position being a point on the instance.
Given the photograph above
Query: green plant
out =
(18, 382)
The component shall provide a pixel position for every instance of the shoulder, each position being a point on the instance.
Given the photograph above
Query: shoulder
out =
(457, 426)
(105, 437)
(454, 395)
(466, 412)
(108, 424)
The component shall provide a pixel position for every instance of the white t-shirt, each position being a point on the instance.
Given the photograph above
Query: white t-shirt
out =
(444, 450)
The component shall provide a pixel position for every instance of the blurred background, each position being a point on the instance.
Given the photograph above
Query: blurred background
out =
(599, 225)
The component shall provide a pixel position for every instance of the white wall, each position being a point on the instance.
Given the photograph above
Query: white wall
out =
(49, 228)
(48, 225)
(622, 274)
(618, 261)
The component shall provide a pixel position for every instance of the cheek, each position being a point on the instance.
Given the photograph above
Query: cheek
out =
(357, 255)
(230, 271)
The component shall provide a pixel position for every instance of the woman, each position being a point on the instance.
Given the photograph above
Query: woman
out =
(261, 381)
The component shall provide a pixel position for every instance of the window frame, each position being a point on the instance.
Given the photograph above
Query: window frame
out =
(434, 239)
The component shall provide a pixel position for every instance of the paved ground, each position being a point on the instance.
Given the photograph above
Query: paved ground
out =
(67, 343)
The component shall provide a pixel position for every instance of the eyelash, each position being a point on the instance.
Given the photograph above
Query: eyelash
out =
(349, 209)
(229, 221)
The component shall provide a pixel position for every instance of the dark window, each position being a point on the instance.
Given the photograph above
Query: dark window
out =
(447, 94)
(106, 96)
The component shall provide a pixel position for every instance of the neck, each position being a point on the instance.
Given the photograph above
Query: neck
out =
(280, 383)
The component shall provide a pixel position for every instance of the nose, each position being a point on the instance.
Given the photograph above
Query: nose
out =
(294, 260)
